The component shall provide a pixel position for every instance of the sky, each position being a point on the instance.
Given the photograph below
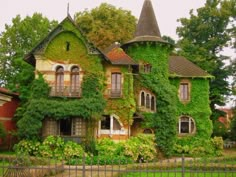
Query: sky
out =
(167, 11)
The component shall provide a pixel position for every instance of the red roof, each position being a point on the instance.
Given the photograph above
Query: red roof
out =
(8, 92)
(117, 56)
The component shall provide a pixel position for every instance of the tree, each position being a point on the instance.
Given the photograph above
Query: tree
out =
(202, 39)
(106, 24)
(16, 41)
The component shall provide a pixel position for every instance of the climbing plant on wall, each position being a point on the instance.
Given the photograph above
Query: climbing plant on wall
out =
(164, 119)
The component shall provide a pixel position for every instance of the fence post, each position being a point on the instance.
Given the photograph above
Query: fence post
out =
(183, 169)
(84, 165)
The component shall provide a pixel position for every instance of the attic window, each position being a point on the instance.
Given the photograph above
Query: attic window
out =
(147, 68)
(67, 46)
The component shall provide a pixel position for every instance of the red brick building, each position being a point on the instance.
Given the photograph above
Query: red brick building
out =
(8, 103)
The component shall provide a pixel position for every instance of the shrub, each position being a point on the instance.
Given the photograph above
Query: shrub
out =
(141, 147)
(73, 150)
(107, 147)
(199, 146)
(29, 147)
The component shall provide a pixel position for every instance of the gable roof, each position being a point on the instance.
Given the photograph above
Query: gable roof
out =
(41, 45)
(181, 67)
(117, 56)
(147, 28)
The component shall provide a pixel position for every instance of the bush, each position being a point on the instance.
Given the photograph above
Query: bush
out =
(107, 147)
(29, 147)
(141, 147)
(73, 150)
(51, 147)
(199, 147)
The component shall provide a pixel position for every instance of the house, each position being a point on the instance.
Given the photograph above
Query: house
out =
(8, 103)
(130, 77)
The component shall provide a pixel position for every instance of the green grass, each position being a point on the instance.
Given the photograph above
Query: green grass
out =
(179, 174)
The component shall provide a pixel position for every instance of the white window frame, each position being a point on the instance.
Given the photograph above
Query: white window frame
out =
(190, 121)
(111, 132)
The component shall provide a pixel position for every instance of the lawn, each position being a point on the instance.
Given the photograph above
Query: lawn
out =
(178, 174)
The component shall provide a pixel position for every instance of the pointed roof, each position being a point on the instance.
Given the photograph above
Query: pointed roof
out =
(147, 24)
(147, 28)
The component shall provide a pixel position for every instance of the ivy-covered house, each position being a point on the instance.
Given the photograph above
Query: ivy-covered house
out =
(136, 87)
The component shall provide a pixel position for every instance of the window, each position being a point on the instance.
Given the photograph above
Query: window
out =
(153, 103)
(65, 127)
(72, 127)
(147, 68)
(186, 125)
(184, 91)
(115, 85)
(147, 101)
(75, 81)
(67, 46)
(59, 79)
(142, 99)
(110, 125)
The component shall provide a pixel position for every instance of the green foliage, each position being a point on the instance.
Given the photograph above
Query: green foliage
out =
(141, 148)
(198, 106)
(164, 120)
(232, 134)
(107, 147)
(106, 24)
(203, 37)
(51, 147)
(194, 146)
(91, 105)
(2, 131)
(17, 40)
(123, 107)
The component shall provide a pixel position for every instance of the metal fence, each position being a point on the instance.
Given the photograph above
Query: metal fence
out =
(175, 167)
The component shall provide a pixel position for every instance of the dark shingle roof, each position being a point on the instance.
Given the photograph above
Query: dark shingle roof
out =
(147, 28)
(181, 67)
(117, 56)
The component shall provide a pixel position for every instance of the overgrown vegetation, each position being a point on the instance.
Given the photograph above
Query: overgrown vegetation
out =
(164, 119)
(141, 148)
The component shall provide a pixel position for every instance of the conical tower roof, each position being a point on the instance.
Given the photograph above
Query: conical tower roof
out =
(147, 28)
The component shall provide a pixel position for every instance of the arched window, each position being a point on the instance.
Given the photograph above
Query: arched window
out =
(147, 101)
(186, 125)
(153, 103)
(142, 99)
(74, 80)
(59, 79)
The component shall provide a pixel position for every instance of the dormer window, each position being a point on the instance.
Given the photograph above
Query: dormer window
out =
(147, 68)
(67, 46)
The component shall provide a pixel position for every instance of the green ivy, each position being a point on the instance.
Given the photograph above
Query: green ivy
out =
(164, 120)
(91, 105)
(123, 107)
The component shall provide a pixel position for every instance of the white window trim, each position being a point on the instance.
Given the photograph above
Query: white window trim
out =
(189, 126)
(111, 132)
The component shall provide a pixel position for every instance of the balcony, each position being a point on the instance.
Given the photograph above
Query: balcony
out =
(65, 91)
(115, 93)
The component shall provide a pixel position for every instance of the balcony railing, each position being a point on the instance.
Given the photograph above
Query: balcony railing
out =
(65, 91)
(115, 93)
